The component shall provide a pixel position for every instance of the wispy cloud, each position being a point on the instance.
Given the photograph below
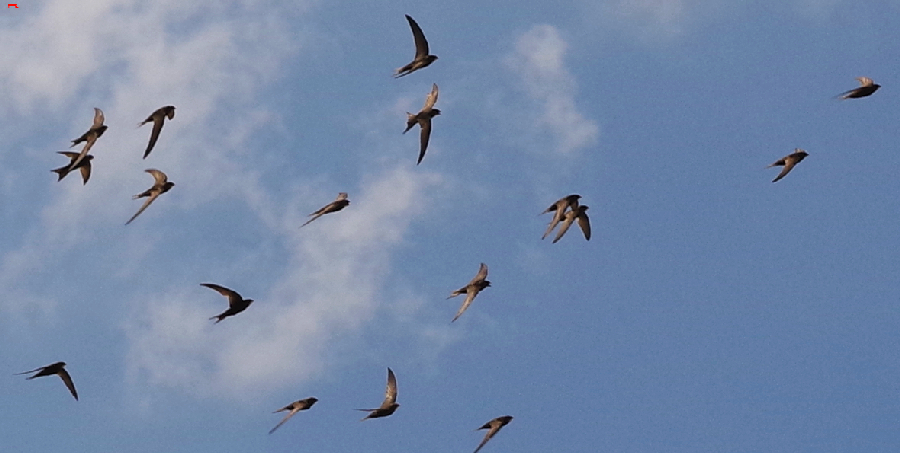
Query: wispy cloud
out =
(538, 62)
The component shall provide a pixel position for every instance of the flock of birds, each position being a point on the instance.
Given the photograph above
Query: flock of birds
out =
(566, 211)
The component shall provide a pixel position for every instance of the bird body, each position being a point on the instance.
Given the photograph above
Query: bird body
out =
(296, 406)
(84, 166)
(866, 88)
(236, 303)
(788, 162)
(161, 185)
(423, 119)
(422, 58)
(471, 290)
(158, 117)
(389, 405)
(58, 368)
(339, 203)
(90, 137)
(493, 427)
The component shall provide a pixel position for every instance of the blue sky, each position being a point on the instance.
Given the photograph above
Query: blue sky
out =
(712, 310)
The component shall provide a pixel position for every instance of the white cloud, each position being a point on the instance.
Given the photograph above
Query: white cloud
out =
(538, 62)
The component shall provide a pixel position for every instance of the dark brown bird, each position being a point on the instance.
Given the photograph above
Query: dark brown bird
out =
(578, 214)
(58, 368)
(559, 211)
(158, 117)
(788, 162)
(236, 303)
(389, 405)
(90, 137)
(422, 58)
(423, 119)
(866, 88)
(160, 186)
(493, 427)
(296, 406)
(84, 166)
(472, 289)
(339, 203)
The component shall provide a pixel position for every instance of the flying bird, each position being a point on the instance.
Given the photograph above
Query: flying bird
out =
(296, 406)
(423, 119)
(559, 211)
(339, 203)
(422, 58)
(90, 137)
(158, 117)
(58, 368)
(160, 186)
(472, 289)
(788, 162)
(389, 405)
(236, 303)
(578, 214)
(493, 427)
(84, 166)
(866, 88)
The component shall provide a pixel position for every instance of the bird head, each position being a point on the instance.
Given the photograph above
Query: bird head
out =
(435, 112)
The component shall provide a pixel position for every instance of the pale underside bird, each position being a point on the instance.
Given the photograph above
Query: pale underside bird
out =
(90, 137)
(559, 211)
(866, 88)
(158, 117)
(161, 185)
(493, 427)
(423, 119)
(339, 203)
(788, 162)
(296, 406)
(471, 290)
(58, 368)
(236, 303)
(422, 57)
(84, 166)
(389, 405)
(579, 214)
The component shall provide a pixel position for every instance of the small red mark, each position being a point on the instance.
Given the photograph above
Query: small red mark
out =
(12, 4)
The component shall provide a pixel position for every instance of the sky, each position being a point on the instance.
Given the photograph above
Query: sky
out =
(711, 311)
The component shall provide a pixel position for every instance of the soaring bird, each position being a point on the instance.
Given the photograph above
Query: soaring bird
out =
(236, 303)
(158, 117)
(84, 166)
(423, 119)
(296, 406)
(493, 427)
(472, 289)
(389, 405)
(58, 368)
(422, 58)
(90, 137)
(161, 185)
(578, 214)
(788, 162)
(559, 210)
(339, 203)
(866, 88)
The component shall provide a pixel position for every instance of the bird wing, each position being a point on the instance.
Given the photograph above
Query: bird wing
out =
(431, 99)
(233, 296)
(150, 199)
(283, 420)
(159, 177)
(419, 37)
(390, 392)
(865, 81)
(424, 136)
(585, 223)
(158, 120)
(86, 171)
(487, 436)
(788, 166)
(69, 154)
(471, 292)
(98, 117)
(570, 217)
(64, 375)
(481, 275)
